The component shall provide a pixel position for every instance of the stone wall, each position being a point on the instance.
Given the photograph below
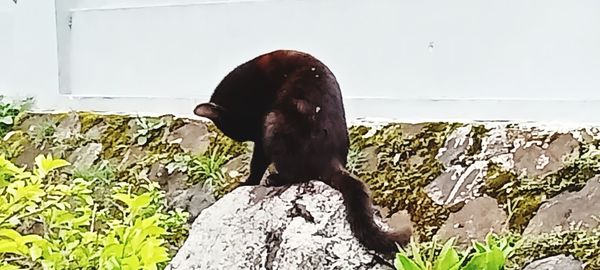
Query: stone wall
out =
(447, 179)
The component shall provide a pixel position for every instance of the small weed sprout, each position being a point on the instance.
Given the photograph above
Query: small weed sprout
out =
(146, 129)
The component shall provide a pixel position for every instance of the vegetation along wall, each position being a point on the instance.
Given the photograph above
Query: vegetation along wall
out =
(74, 187)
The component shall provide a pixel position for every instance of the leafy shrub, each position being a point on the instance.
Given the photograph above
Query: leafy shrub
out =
(50, 220)
(9, 112)
(490, 255)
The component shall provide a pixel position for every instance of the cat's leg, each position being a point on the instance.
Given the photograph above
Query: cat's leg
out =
(277, 180)
(258, 165)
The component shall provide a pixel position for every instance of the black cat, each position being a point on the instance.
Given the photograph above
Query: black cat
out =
(290, 105)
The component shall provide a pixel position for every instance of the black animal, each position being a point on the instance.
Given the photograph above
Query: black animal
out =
(290, 105)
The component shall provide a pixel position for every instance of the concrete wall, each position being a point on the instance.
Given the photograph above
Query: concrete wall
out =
(412, 60)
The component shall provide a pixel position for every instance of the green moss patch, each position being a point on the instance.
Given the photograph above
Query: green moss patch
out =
(522, 196)
(406, 164)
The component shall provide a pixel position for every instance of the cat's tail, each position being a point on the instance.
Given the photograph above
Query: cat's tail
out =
(359, 212)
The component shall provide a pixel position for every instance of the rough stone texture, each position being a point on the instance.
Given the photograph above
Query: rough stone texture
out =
(192, 137)
(237, 168)
(559, 262)
(456, 145)
(400, 221)
(457, 184)
(300, 227)
(463, 177)
(130, 156)
(579, 209)
(477, 218)
(370, 158)
(540, 158)
(27, 156)
(68, 127)
(95, 132)
(192, 200)
(85, 156)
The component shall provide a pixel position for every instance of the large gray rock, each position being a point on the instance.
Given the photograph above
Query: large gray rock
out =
(567, 209)
(299, 227)
(85, 156)
(193, 200)
(559, 262)
(474, 221)
(540, 158)
(192, 137)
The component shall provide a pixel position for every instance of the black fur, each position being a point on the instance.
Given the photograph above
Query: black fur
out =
(290, 105)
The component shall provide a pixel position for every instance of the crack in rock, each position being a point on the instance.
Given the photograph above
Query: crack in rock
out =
(299, 210)
(273, 244)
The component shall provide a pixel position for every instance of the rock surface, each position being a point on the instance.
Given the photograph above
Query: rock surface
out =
(559, 262)
(474, 221)
(299, 227)
(192, 137)
(569, 208)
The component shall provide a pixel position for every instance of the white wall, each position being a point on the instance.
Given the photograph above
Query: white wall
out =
(410, 60)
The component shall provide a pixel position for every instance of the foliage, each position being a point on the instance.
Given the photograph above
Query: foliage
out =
(147, 128)
(52, 221)
(9, 113)
(207, 168)
(490, 255)
(42, 134)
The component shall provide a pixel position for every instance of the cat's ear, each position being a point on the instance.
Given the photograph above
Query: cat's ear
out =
(209, 110)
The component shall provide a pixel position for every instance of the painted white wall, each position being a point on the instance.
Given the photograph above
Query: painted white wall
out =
(410, 60)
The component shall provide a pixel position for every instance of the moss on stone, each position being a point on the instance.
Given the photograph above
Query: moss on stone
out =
(522, 196)
(582, 244)
(116, 136)
(478, 132)
(406, 164)
(89, 119)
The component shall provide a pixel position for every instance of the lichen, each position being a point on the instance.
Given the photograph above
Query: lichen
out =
(89, 120)
(478, 132)
(582, 244)
(522, 196)
(116, 136)
(406, 164)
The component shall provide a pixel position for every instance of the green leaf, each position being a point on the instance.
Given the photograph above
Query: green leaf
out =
(125, 198)
(480, 248)
(6, 120)
(416, 253)
(448, 258)
(9, 267)
(8, 246)
(404, 263)
(131, 262)
(490, 260)
(142, 201)
(45, 164)
(35, 252)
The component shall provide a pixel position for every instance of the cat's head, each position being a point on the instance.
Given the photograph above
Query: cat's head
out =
(228, 122)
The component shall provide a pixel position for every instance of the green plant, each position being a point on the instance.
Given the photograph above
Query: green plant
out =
(490, 255)
(42, 134)
(146, 128)
(50, 220)
(180, 163)
(207, 168)
(10, 111)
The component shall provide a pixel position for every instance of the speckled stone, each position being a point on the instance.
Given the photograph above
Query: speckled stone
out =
(300, 227)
